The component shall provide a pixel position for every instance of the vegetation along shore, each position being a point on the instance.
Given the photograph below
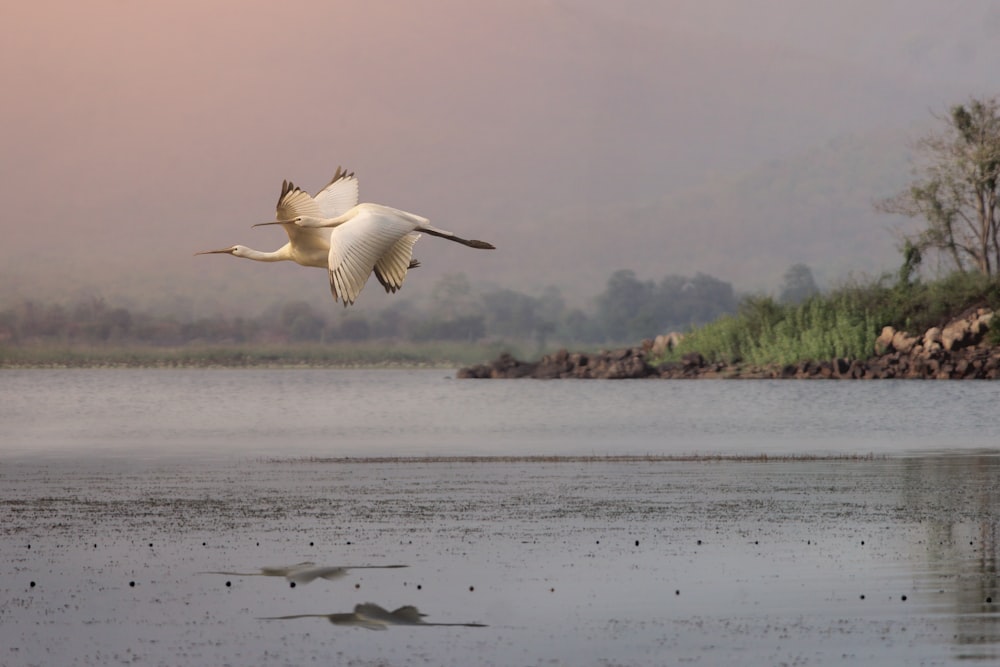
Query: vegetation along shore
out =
(932, 318)
(905, 330)
(893, 327)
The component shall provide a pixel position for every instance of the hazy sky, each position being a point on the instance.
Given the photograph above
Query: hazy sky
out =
(134, 134)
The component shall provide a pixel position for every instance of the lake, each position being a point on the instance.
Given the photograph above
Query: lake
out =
(868, 533)
(226, 413)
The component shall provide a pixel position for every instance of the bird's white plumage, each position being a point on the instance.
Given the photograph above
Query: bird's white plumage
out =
(350, 240)
(311, 247)
(337, 197)
(391, 268)
(372, 235)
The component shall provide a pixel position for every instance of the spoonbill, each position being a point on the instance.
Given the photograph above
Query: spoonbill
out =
(375, 617)
(303, 573)
(362, 237)
(311, 246)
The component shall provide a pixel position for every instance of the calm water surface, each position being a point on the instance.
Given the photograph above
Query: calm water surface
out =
(396, 413)
(113, 478)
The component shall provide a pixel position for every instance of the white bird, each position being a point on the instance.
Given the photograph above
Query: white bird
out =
(303, 573)
(361, 239)
(311, 246)
(375, 617)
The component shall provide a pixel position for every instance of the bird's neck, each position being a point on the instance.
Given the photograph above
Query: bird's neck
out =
(314, 223)
(280, 255)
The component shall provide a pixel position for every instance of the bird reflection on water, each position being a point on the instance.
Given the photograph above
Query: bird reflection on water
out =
(375, 617)
(305, 572)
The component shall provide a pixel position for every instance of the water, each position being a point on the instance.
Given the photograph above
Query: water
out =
(113, 478)
(404, 413)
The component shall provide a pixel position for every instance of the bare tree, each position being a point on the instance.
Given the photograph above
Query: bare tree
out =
(956, 188)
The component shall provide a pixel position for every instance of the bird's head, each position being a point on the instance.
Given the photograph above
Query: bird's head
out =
(236, 250)
(291, 221)
(301, 221)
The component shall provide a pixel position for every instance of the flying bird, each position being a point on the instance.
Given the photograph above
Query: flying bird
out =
(311, 246)
(303, 573)
(375, 617)
(362, 237)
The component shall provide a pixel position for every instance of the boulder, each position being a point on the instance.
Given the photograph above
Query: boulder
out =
(932, 339)
(981, 322)
(902, 342)
(883, 343)
(966, 330)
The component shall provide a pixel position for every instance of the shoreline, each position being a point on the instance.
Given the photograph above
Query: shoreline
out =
(978, 363)
(566, 458)
(961, 350)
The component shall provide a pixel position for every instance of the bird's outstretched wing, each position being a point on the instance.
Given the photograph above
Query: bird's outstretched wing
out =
(294, 201)
(357, 245)
(391, 267)
(339, 195)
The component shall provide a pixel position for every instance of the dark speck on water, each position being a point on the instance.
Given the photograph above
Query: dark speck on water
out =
(497, 483)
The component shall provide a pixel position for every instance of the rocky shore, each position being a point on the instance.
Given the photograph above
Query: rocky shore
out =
(958, 350)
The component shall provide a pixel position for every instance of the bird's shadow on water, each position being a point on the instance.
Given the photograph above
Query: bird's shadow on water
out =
(375, 617)
(304, 572)
(365, 615)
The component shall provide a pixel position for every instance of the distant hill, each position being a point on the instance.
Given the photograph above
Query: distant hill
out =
(746, 228)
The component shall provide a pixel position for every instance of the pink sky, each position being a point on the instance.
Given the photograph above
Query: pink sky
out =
(137, 133)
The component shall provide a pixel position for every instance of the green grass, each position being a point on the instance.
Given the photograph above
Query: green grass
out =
(842, 323)
(361, 355)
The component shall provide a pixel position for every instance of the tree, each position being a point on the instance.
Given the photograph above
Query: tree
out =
(301, 321)
(797, 285)
(621, 307)
(700, 300)
(510, 314)
(452, 296)
(956, 188)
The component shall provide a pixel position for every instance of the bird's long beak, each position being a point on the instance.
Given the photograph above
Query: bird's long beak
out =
(225, 251)
(276, 222)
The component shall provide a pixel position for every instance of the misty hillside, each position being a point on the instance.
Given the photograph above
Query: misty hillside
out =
(748, 227)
